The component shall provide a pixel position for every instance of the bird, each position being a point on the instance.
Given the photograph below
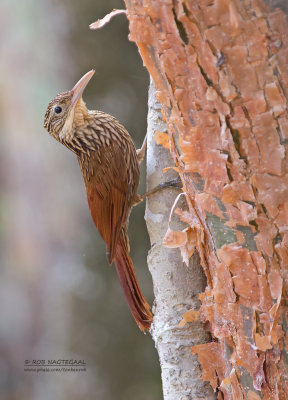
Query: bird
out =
(109, 163)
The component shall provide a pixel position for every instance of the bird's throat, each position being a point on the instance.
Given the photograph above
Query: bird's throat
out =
(74, 121)
(80, 114)
(67, 132)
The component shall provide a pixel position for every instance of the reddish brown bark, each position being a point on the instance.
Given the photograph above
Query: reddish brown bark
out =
(220, 70)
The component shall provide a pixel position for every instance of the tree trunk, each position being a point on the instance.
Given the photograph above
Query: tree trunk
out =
(176, 285)
(220, 70)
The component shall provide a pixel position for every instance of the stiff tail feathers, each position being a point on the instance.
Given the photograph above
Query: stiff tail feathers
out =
(139, 307)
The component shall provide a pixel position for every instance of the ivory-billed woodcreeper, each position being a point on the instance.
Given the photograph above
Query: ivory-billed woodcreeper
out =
(109, 164)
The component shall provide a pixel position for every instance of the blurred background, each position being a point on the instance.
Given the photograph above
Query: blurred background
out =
(59, 299)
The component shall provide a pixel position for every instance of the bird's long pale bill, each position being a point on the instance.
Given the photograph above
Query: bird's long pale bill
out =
(80, 86)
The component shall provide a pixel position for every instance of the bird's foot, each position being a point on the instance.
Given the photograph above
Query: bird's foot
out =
(141, 152)
(173, 183)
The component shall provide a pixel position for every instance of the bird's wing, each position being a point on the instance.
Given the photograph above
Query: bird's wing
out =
(108, 193)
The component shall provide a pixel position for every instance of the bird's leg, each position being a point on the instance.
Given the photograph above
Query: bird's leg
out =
(141, 152)
(173, 183)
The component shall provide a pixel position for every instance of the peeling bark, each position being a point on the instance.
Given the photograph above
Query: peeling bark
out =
(176, 286)
(220, 70)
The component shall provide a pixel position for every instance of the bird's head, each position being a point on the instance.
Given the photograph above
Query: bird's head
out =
(67, 111)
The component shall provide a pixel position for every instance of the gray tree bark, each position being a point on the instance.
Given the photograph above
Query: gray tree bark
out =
(176, 286)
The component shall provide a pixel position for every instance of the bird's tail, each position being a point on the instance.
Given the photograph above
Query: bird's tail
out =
(139, 307)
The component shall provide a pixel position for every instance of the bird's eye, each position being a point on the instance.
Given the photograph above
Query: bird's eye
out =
(58, 110)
